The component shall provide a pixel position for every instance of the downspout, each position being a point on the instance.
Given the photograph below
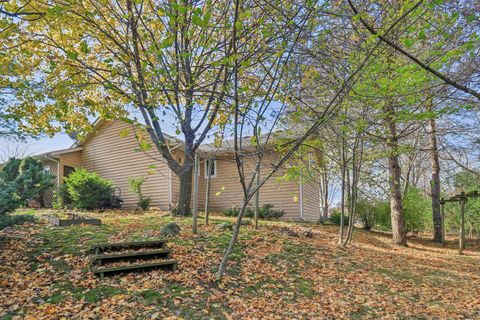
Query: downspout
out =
(301, 196)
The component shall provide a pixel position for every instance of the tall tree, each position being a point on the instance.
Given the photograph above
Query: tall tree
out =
(168, 60)
(435, 178)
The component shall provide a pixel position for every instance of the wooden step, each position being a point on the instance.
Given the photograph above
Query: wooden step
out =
(129, 245)
(165, 264)
(129, 256)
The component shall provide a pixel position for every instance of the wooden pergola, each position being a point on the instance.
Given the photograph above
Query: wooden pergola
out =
(462, 198)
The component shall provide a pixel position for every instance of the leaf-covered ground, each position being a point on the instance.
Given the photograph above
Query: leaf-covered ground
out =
(281, 271)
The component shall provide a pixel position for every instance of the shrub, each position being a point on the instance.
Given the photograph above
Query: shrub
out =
(231, 212)
(9, 199)
(373, 213)
(382, 216)
(135, 185)
(61, 198)
(9, 220)
(366, 213)
(87, 190)
(144, 203)
(32, 181)
(417, 210)
(265, 212)
(335, 218)
(22, 181)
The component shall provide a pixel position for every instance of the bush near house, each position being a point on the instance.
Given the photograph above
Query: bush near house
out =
(88, 190)
(265, 212)
(22, 181)
(61, 198)
(135, 185)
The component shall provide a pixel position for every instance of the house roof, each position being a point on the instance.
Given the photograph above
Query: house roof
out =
(248, 144)
(55, 153)
(97, 124)
(226, 146)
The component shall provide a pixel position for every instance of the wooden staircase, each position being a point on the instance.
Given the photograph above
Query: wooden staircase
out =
(137, 256)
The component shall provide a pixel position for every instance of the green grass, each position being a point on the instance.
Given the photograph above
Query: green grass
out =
(7, 220)
(100, 292)
(89, 295)
(150, 296)
(400, 275)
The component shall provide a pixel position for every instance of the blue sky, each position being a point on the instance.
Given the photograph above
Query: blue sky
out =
(59, 141)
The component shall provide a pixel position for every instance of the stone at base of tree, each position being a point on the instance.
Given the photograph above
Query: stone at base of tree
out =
(288, 232)
(171, 229)
(223, 226)
(308, 234)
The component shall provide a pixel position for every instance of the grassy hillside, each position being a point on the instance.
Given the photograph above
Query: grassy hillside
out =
(280, 271)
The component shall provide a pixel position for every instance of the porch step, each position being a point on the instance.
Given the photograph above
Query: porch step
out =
(129, 245)
(130, 256)
(169, 264)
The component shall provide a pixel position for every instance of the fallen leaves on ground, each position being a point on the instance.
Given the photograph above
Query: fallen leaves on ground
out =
(281, 271)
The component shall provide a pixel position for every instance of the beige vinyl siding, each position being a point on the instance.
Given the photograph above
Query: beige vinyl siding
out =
(118, 159)
(282, 194)
(311, 202)
(71, 159)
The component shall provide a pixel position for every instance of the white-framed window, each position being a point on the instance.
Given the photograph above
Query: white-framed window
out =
(213, 173)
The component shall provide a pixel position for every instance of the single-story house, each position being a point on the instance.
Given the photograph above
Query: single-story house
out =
(112, 150)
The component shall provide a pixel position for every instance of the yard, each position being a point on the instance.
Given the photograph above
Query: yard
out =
(281, 271)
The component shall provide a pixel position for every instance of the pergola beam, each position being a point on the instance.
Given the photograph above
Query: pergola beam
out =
(462, 198)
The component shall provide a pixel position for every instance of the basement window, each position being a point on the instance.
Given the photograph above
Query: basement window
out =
(213, 172)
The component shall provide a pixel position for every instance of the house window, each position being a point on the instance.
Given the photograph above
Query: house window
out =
(46, 169)
(67, 170)
(213, 172)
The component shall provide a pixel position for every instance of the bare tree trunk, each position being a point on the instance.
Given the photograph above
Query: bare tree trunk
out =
(233, 240)
(257, 199)
(396, 206)
(325, 194)
(356, 167)
(435, 182)
(195, 196)
(185, 190)
(209, 186)
(342, 201)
